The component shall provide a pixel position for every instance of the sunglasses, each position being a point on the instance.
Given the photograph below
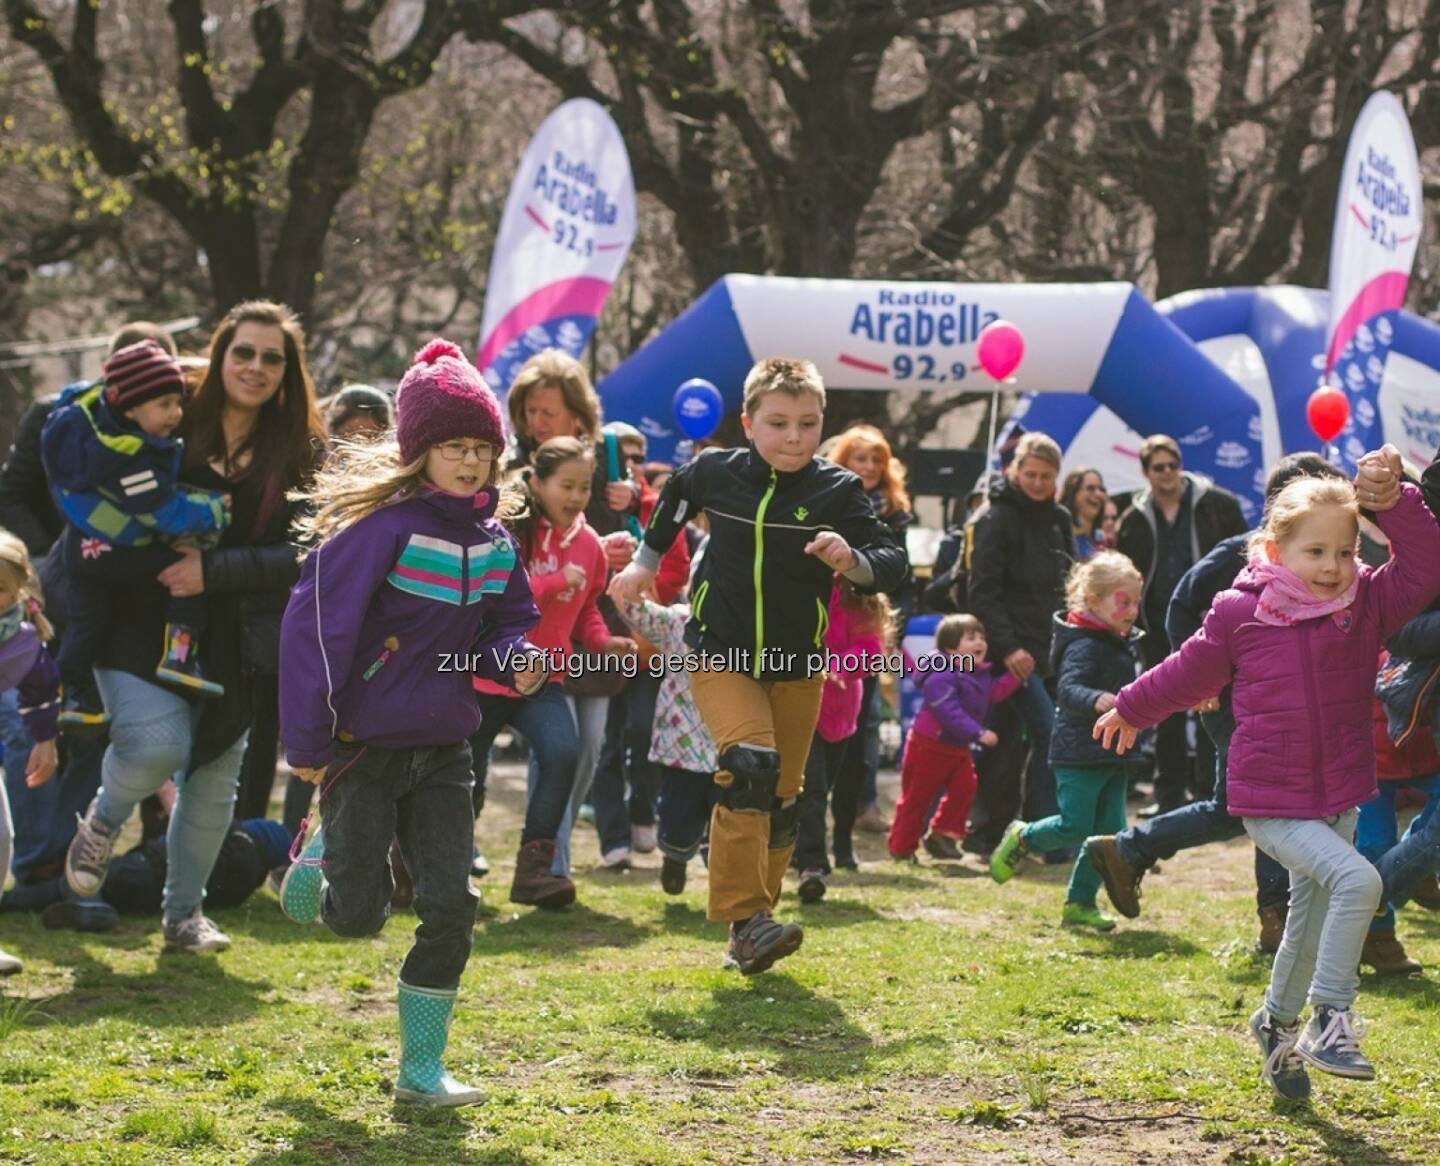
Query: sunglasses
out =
(458, 451)
(635, 459)
(1163, 467)
(246, 353)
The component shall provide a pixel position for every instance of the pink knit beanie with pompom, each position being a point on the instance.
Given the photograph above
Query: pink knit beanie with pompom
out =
(442, 397)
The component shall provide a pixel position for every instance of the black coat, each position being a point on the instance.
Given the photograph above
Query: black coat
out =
(26, 508)
(1087, 663)
(1023, 550)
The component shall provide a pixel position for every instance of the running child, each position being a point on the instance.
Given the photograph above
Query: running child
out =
(25, 666)
(114, 467)
(410, 567)
(782, 523)
(958, 689)
(567, 570)
(1299, 636)
(1094, 656)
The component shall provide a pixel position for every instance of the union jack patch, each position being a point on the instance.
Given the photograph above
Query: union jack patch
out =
(93, 548)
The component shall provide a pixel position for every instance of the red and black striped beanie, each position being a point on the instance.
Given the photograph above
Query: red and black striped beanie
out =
(141, 372)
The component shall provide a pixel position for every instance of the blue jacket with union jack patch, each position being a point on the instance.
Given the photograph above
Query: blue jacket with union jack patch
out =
(391, 619)
(118, 484)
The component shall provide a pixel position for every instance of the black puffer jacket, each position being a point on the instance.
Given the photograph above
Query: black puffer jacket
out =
(1022, 552)
(1087, 662)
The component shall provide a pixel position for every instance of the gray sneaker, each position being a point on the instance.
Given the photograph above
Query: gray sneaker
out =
(1331, 1042)
(1282, 1069)
(194, 935)
(89, 855)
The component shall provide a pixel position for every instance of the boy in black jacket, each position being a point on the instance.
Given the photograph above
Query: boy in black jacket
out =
(782, 523)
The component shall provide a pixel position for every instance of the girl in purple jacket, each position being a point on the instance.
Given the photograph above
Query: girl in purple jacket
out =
(413, 587)
(1298, 636)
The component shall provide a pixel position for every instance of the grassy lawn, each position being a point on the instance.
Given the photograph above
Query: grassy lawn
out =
(930, 1017)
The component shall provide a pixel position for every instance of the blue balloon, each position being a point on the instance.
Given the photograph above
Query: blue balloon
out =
(699, 408)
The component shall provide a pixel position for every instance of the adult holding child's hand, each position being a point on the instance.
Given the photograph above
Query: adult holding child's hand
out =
(1377, 478)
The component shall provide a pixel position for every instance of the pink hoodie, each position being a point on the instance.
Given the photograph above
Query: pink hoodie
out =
(840, 699)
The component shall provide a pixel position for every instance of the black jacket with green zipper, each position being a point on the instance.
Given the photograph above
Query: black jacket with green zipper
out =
(756, 588)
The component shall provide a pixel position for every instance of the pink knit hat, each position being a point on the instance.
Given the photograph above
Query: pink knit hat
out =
(441, 398)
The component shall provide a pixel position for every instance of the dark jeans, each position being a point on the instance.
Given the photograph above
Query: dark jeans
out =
(828, 778)
(1402, 862)
(421, 796)
(548, 728)
(1172, 757)
(1025, 721)
(1197, 823)
(44, 818)
(683, 807)
(262, 750)
(88, 591)
(862, 762)
(625, 763)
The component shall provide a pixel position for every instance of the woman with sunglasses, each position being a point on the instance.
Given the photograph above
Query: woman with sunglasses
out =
(251, 431)
(1083, 495)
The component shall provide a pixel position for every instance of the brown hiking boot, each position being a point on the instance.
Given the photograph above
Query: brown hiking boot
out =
(1386, 954)
(1427, 893)
(1122, 881)
(759, 941)
(534, 884)
(1272, 929)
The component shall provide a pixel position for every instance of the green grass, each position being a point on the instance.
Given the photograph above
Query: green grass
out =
(930, 1017)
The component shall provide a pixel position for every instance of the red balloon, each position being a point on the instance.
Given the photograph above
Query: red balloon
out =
(1002, 348)
(1327, 411)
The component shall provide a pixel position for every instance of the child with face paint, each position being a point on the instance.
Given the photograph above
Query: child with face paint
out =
(1094, 656)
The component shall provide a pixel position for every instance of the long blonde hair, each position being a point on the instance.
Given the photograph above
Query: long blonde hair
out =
(18, 574)
(1097, 577)
(1284, 512)
(363, 477)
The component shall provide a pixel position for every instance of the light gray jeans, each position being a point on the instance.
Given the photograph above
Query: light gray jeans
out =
(1334, 891)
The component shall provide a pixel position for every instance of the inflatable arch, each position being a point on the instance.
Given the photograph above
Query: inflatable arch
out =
(1269, 341)
(1087, 346)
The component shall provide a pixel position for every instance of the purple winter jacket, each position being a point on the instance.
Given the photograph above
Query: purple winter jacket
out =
(956, 702)
(1302, 697)
(389, 621)
(26, 666)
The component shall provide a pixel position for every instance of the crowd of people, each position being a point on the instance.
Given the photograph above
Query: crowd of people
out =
(202, 563)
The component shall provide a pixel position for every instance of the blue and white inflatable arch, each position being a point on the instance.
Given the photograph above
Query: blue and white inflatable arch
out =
(1087, 346)
(1269, 341)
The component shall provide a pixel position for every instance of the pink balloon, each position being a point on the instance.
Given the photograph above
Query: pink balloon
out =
(1002, 348)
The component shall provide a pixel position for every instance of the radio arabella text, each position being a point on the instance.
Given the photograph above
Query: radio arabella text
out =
(562, 663)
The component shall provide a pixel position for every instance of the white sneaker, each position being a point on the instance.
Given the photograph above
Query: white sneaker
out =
(194, 935)
(9, 965)
(644, 838)
(617, 859)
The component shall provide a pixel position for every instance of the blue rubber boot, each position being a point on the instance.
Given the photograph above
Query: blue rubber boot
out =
(424, 1031)
(304, 881)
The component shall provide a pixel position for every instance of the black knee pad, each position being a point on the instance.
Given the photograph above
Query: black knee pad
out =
(754, 777)
(784, 821)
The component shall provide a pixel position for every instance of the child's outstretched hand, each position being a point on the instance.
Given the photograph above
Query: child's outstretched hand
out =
(1377, 478)
(41, 767)
(1115, 732)
(830, 548)
(1104, 702)
(989, 739)
(627, 586)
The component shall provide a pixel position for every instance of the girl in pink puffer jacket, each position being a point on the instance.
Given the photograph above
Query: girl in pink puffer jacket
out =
(1298, 637)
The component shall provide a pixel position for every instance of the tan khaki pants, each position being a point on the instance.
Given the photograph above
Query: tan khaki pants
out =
(745, 874)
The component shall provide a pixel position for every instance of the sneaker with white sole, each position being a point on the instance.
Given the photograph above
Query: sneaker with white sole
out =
(194, 935)
(812, 885)
(1283, 1069)
(617, 859)
(89, 855)
(644, 839)
(1331, 1043)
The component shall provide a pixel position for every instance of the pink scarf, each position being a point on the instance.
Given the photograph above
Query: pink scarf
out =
(1286, 601)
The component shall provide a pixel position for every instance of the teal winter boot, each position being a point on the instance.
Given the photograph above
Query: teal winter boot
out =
(304, 881)
(424, 1031)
